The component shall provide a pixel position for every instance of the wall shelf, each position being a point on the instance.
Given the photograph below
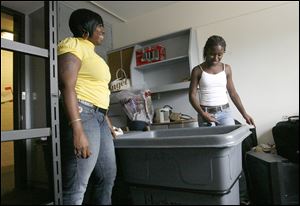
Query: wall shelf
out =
(162, 63)
(171, 87)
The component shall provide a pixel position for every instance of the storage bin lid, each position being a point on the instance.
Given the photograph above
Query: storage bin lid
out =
(220, 136)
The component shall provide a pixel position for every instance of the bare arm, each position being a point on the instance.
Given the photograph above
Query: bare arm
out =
(195, 77)
(236, 98)
(68, 68)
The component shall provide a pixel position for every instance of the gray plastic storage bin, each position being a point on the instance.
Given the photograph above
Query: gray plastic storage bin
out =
(162, 196)
(206, 160)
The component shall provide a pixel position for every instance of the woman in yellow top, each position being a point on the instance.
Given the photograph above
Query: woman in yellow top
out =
(86, 134)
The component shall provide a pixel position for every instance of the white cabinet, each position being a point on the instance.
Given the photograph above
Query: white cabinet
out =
(172, 73)
(168, 79)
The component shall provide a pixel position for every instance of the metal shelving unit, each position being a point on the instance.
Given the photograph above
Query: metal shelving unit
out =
(52, 129)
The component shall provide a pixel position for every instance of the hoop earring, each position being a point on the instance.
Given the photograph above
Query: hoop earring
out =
(85, 35)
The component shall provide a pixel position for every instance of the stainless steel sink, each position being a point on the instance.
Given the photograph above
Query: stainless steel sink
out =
(186, 124)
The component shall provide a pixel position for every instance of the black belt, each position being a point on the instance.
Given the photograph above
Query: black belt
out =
(103, 111)
(214, 109)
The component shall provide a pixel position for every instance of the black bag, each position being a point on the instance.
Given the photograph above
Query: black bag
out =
(286, 138)
(248, 143)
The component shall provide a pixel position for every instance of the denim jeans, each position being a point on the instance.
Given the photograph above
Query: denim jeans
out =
(223, 117)
(102, 164)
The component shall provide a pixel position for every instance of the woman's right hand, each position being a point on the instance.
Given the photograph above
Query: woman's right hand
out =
(69, 66)
(81, 144)
(208, 117)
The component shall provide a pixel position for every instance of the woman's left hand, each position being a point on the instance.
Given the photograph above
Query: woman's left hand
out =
(113, 133)
(249, 120)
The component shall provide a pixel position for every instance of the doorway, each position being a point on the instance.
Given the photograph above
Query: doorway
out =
(23, 178)
(7, 114)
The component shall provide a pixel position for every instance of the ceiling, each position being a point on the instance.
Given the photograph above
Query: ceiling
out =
(127, 10)
(25, 7)
(123, 10)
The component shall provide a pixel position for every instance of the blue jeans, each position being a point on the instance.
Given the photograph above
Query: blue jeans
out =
(223, 117)
(102, 164)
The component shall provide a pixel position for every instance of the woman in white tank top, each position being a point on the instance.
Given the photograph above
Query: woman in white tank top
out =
(215, 81)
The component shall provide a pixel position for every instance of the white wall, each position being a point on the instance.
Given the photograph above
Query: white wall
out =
(262, 48)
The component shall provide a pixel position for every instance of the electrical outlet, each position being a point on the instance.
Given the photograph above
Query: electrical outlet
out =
(155, 96)
(34, 96)
(23, 96)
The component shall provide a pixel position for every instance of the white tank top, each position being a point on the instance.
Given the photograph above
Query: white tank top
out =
(213, 91)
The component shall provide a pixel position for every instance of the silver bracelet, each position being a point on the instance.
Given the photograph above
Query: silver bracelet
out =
(75, 120)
